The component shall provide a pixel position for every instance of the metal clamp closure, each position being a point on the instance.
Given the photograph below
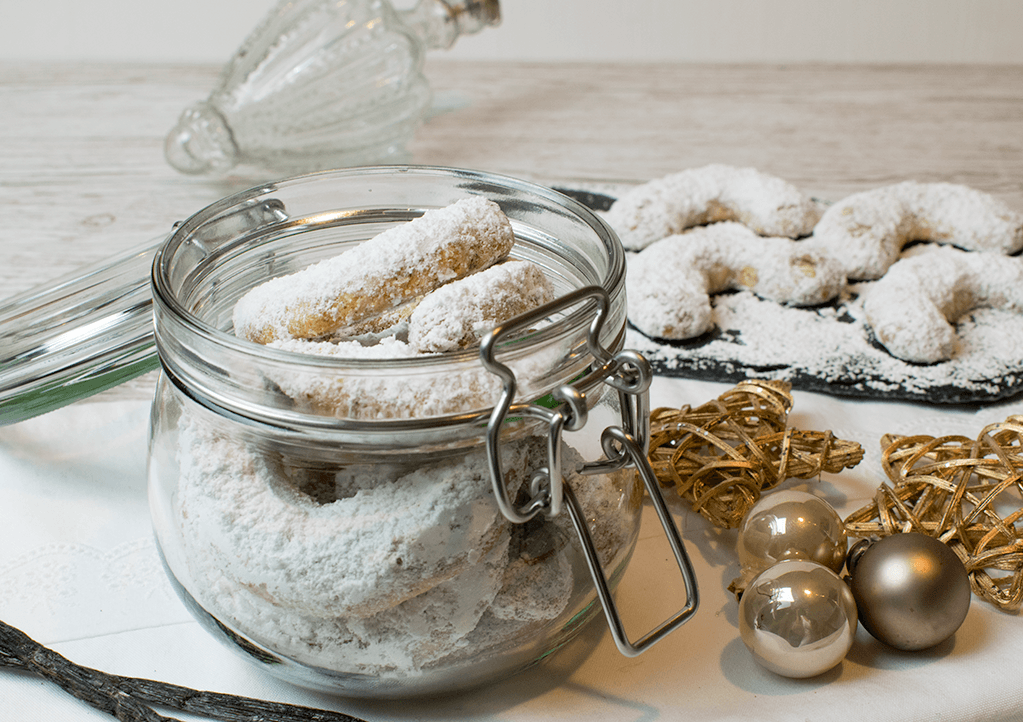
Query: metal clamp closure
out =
(630, 374)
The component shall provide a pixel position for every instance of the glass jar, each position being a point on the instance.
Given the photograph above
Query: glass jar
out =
(393, 526)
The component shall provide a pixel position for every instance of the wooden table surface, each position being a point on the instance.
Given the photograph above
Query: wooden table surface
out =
(82, 172)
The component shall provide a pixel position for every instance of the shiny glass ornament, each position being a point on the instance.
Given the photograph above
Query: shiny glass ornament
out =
(912, 590)
(798, 618)
(791, 525)
(323, 84)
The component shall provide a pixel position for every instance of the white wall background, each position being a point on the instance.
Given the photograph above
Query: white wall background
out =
(967, 31)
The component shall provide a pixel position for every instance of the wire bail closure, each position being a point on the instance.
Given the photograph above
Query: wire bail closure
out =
(623, 446)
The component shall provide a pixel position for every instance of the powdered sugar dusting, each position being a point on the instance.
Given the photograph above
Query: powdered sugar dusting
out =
(266, 533)
(378, 395)
(361, 580)
(831, 350)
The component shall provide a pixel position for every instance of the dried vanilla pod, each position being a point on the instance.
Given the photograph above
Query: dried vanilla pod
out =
(132, 700)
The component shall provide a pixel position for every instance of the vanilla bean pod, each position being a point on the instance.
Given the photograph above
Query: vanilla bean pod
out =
(130, 699)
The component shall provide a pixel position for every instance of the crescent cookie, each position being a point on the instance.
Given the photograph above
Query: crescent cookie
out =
(457, 314)
(912, 308)
(866, 231)
(345, 558)
(769, 205)
(395, 267)
(669, 283)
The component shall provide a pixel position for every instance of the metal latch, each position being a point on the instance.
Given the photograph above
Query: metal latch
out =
(623, 446)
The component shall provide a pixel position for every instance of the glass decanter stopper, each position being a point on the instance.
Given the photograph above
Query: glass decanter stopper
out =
(323, 84)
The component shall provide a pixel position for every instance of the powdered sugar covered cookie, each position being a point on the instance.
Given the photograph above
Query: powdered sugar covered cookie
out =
(367, 551)
(912, 309)
(393, 268)
(765, 203)
(457, 314)
(670, 282)
(866, 231)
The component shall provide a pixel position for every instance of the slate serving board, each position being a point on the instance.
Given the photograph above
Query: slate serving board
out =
(831, 348)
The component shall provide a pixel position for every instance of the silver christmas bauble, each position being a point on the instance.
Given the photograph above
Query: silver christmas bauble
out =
(911, 589)
(798, 618)
(791, 525)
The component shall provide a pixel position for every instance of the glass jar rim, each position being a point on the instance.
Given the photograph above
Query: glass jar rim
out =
(193, 250)
(182, 234)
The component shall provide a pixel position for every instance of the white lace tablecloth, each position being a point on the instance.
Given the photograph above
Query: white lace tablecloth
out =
(79, 572)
